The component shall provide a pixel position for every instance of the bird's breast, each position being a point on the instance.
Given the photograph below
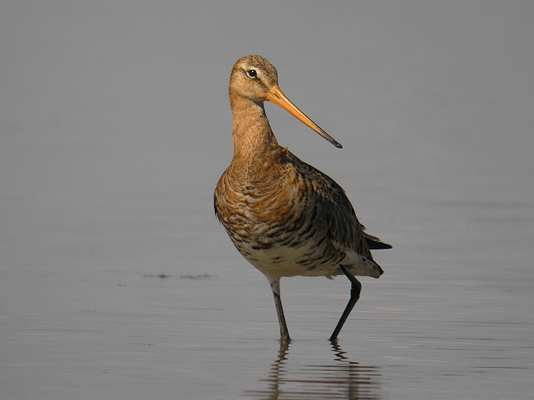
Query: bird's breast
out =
(274, 225)
(260, 212)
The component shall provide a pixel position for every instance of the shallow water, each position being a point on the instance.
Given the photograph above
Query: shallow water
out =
(110, 307)
(116, 281)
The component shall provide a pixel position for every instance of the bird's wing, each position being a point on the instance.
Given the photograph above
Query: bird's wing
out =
(333, 211)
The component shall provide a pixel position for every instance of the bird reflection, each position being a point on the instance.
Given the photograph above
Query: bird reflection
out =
(340, 379)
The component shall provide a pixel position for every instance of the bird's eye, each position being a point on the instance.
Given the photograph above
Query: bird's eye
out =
(251, 73)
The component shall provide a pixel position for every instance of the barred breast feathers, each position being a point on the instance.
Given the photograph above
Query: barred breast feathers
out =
(291, 191)
(259, 192)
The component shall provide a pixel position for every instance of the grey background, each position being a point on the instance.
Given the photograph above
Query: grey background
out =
(115, 125)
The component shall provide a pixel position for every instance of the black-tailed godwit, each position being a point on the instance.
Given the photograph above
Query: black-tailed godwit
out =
(284, 216)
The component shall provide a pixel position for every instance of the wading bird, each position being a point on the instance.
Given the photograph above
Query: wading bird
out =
(284, 216)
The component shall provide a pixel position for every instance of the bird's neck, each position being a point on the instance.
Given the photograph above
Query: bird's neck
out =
(252, 134)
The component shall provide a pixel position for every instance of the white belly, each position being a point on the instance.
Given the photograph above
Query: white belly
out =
(307, 260)
(281, 261)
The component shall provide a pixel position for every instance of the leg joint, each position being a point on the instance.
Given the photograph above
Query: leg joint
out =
(275, 286)
(355, 288)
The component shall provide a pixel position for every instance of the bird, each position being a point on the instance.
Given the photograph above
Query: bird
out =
(284, 216)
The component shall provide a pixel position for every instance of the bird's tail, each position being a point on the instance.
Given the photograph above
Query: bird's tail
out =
(375, 243)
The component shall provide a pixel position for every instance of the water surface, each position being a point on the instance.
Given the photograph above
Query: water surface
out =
(116, 281)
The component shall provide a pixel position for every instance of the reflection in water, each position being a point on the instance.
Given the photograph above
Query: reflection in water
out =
(342, 379)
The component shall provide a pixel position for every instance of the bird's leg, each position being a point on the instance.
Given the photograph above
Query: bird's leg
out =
(284, 333)
(355, 289)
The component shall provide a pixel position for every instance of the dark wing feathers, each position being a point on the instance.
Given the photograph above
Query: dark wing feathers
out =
(375, 243)
(344, 225)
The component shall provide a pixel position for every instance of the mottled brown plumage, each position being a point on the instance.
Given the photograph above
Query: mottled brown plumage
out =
(284, 216)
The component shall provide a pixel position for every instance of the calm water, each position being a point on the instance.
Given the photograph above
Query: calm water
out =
(116, 282)
(143, 297)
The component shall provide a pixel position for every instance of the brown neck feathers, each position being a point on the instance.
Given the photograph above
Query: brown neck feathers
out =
(252, 134)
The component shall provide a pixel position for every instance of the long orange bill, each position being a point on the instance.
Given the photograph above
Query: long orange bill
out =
(278, 97)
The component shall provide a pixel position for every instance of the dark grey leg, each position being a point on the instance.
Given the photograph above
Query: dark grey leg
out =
(284, 333)
(355, 289)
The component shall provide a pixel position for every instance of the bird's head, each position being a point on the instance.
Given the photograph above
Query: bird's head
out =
(254, 78)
